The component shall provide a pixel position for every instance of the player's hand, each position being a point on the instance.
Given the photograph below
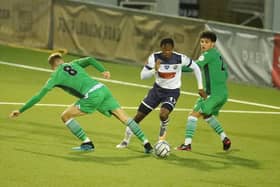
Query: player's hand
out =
(202, 93)
(157, 65)
(14, 114)
(106, 74)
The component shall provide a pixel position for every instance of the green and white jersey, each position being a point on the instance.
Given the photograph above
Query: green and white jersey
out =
(71, 77)
(215, 72)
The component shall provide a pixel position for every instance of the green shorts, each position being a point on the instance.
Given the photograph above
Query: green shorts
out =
(101, 100)
(210, 106)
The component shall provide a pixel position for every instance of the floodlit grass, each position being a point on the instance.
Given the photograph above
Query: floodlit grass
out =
(36, 150)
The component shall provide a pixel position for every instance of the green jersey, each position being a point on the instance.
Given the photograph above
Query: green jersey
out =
(71, 77)
(215, 72)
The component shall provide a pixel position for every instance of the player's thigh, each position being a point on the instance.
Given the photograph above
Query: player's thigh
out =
(212, 105)
(219, 106)
(120, 114)
(92, 102)
(152, 100)
(71, 112)
(169, 99)
(108, 104)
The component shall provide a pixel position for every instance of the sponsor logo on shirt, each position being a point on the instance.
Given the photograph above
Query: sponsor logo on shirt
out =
(166, 66)
(201, 58)
(167, 75)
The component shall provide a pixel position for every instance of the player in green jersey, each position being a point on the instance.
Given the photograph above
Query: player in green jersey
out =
(209, 105)
(93, 95)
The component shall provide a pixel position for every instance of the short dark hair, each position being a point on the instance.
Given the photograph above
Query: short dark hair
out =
(167, 41)
(54, 56)
(209, 35)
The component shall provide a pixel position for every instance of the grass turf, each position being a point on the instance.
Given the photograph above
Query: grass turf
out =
(36, 150)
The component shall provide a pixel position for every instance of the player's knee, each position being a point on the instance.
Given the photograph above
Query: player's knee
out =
(144, 109)
(163, 117)
(65, 117)
(164, 113)
(139, 116)
(195, 114)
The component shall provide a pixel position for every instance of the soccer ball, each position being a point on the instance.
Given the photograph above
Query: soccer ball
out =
(162, 149)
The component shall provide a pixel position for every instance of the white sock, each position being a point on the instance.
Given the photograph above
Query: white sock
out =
(86, 140)
(188, 141)
(223, 135)
(127, 135)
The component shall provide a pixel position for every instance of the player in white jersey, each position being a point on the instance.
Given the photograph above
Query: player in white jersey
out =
(166, 66)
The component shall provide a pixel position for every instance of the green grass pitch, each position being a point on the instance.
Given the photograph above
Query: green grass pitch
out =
(35, 148)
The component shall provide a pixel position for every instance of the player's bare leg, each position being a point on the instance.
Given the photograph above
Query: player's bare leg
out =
(164, 119)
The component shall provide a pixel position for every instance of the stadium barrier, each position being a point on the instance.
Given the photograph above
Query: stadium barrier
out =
(125, 35)
(25, 23)
(119, 34)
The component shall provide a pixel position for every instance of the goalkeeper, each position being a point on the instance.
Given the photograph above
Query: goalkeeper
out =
(93, 95)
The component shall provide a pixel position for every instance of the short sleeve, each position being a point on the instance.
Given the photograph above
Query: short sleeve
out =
(202, 60)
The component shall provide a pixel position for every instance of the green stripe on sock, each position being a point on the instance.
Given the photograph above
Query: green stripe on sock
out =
(215, 124)
(134, 127)
(77, 130)
(190, 128)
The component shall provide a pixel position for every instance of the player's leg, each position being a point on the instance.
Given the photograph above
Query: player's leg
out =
(142, 112)
(217, 127)
(213, 107)
(128, 133)
(191, 126)
(68, 118)
(134, 127)
(110, 106)
(164, 119)
(150, 102)
(169, 100)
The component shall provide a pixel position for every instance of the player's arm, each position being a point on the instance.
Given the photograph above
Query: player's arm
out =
(151, 67)
(201, 62)
(189, 63)
(198, 76)
(85, 62)
(35, 99)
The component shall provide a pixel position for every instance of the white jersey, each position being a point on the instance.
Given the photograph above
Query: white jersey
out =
(170, 70)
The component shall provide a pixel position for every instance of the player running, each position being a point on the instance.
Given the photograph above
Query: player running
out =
(166, 66)
(93, 95)
(215, 77)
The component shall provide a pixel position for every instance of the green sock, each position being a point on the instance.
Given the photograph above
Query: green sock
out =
(190, 127)
(134, 127)
(215, 124)
(75, 128)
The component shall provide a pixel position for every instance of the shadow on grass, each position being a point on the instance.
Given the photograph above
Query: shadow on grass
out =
(58, 130)
(88, 157)
(209, 162)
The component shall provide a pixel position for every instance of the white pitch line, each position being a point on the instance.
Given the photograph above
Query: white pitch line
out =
(140, 85)
(135, 108)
